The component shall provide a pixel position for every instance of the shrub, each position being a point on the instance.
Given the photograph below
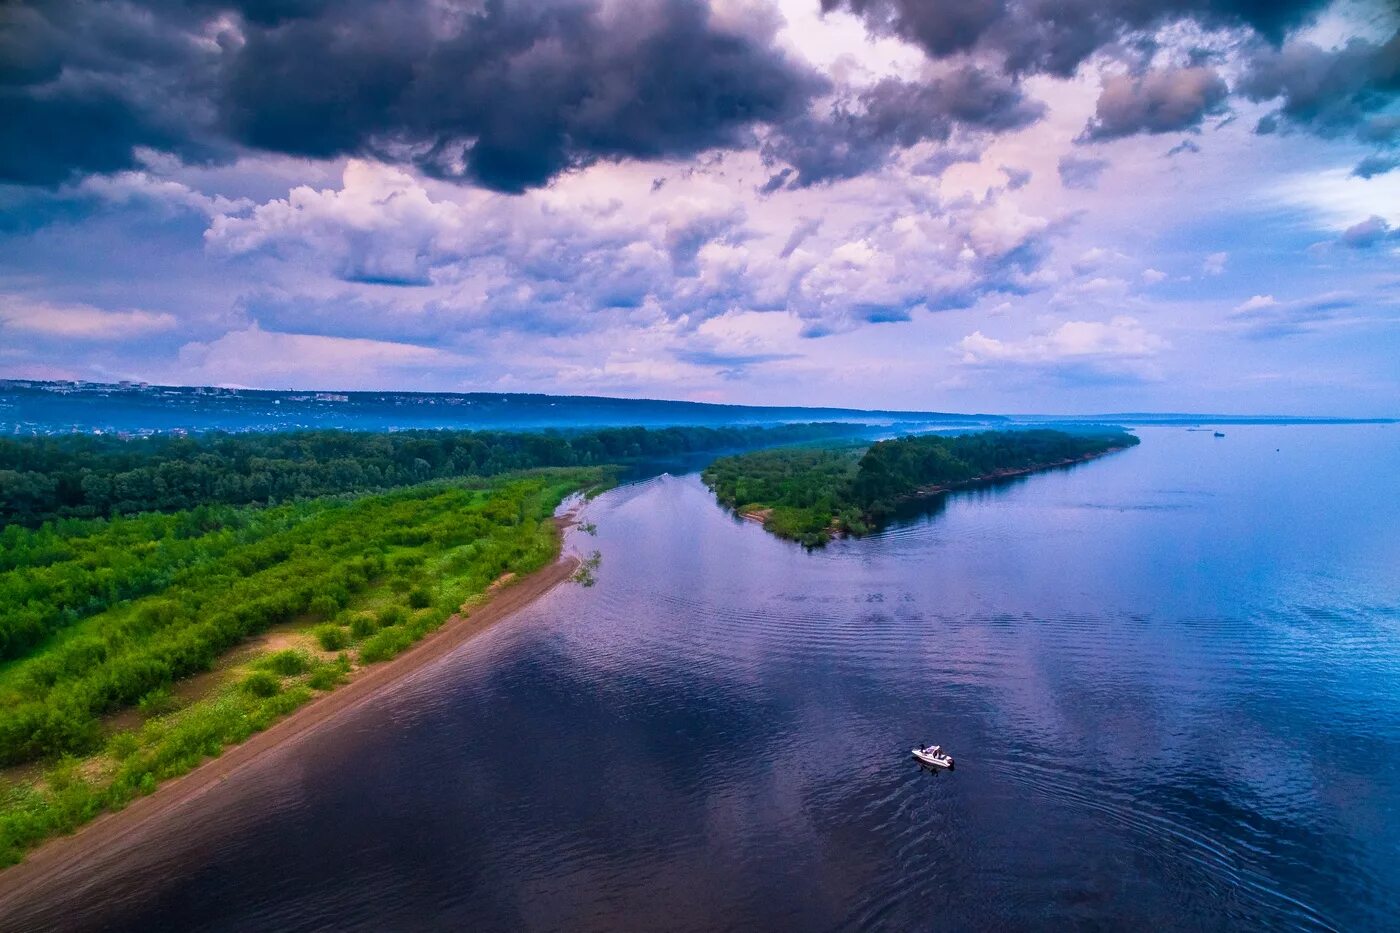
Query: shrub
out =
(157, 702)
(391, 615)
(331, 637)
(420, 598)
(261, 684)
(325, 677)
(288, 663)
(363, 625)
(385, 645)
(123, 745)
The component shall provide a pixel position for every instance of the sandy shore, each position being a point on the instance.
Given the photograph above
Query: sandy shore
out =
(57, 861)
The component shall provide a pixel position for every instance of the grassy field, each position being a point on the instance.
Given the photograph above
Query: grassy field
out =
(135, 648)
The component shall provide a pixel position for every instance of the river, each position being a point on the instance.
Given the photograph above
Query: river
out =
(1170, 677)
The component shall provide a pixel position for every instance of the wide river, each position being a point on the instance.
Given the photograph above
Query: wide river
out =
(1171, 679)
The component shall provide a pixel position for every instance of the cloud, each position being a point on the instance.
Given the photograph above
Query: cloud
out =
(1214, 264)
(1329, 92)
(804, 229)
(1256, 303)
(1079, 173)
(551, 262)
(19, 315)
(1264, 318)
(1167, 100)
(271, 359)
(861, 133)
(1016, 178)
(1036, 37)
(1117, 349)
(1376, 164)
(945, 158)
(506, 95)
(1368, 233)
(1153, 276)
(380, 227)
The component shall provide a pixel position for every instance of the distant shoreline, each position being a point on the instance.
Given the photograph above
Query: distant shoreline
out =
(929, 492)
(66, 859)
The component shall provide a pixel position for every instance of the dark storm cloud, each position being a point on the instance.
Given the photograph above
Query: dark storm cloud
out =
(507, 95)
(861, 134)
(1166, 100)
(1330, 93)
(1056, 36)
(83, 84)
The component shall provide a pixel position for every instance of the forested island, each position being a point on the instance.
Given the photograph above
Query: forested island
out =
(87, 476)
(164, 598)
(810, 494)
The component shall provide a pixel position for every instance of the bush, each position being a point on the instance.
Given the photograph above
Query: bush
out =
(420, 598)
(261, 684)
(385, 645)
(331, 637)
(288, 663)
(325, 677)
(363, 625)
(157, 702)
(391, 615)
(123, 745)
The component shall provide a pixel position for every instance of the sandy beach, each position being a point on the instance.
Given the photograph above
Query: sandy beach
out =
(63, 860)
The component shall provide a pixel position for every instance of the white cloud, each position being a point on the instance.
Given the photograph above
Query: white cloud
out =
(19, 315)
(1256, 303)
(1082, 350)
(257, 357)
(1214, 264)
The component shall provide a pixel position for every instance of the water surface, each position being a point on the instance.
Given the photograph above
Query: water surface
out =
(1171, 679)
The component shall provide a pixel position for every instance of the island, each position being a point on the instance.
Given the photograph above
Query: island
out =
(810, 494)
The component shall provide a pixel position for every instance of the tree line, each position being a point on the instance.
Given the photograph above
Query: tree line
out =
(89, 476)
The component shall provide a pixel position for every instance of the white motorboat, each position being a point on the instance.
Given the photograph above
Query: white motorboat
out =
(933, 756)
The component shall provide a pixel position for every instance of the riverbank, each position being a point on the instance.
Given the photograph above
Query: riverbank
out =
(64, 860)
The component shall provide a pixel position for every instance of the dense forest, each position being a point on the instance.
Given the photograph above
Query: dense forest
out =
(808, 494)
(88, 476)
(104, 622)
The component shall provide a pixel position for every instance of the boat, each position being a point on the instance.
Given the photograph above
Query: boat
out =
(933, 756)
(1218, 434)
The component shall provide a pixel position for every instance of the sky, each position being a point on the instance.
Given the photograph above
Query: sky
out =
(959, 205)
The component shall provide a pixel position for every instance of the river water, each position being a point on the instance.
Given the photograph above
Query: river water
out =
(1171, 679)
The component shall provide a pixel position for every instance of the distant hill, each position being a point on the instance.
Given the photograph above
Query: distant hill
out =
(33, 407)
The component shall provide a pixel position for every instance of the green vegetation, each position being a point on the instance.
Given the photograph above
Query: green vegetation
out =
(106, 621)
(811, 493)
(93, 477)
(587, 572)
